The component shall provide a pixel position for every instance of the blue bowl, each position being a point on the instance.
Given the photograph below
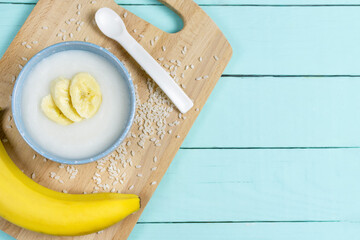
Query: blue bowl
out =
(65, 46)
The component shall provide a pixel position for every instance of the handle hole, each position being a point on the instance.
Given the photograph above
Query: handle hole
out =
(157, 14)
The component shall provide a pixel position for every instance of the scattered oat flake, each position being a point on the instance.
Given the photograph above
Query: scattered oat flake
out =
(34, 156)
(78, 29)
(44, 159)
(183, 85)
(92, 2)
(177, 136)
(198, 78)
(216, 58)
(161, 58)
(57, 177)
(20, 66)
(78, 12)
(138, 166)
(28, 46)
(197, 109)
(139, 175)
(23, 43)
(156, 38)
(64, 191)
(63, 30)
(79, 6)
(67, 22)
(99, 232)
(61, 181)
(131, 187)
(33, 175)
(163, 48)
(153, 183)
(86, 39)
(71, 35)
(24, 58)
(140, 35)
(200, 59)
(152, 42)
(35, 42)
(205, 77)
(82, 24)
(45, 27)
(125, 14)
(153, 169)
(155, 159)
(72, 19)
(64, 38)
(192, 66)
(59, 35)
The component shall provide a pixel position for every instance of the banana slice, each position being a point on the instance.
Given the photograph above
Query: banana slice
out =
(53, 112)
(60, 93)
(85, 94)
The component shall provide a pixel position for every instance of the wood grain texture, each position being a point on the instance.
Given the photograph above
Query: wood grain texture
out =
(280, 112)
(258, 185)
(201, 37)
(247, 231)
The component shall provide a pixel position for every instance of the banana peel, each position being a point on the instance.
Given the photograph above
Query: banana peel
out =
(27, 204)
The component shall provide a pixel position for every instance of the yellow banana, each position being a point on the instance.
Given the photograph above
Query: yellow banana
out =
(59, 90)
(53, 112)
(85, 94)
(34, 207)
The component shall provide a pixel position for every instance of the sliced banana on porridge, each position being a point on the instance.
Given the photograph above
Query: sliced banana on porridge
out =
(53, 112)
(60, 93)
(85, 94)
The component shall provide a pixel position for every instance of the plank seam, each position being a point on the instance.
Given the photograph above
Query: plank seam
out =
(243, 222)
(286, 76)
(264, 148)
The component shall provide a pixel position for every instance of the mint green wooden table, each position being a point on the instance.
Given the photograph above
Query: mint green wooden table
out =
(275, 153)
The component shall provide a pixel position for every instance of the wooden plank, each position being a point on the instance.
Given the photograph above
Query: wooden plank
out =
(280, 112)
(247, 231)
(259, 185)
(268, 40)
(200, 37)
(225, 2)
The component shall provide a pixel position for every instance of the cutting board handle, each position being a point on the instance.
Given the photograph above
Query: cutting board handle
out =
(184, 8)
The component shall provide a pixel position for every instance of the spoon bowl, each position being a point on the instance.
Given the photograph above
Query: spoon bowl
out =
(110, 23)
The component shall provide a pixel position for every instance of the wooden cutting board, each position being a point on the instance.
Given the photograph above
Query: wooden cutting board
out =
(196, 57)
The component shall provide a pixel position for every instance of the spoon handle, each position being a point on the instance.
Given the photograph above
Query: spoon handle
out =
(156, 72)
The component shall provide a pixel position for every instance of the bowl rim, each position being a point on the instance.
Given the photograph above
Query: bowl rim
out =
(27, 69)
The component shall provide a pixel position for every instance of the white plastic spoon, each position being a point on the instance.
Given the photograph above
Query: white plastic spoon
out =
(110, 23)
